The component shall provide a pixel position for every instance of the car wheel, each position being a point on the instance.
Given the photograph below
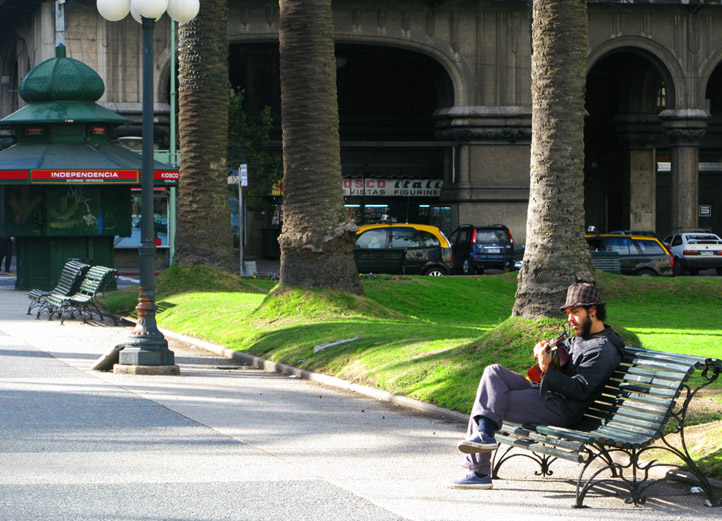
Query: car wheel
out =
(435, 272)
(719, 271)
(678, 269)
(466, 267)
(646, 273)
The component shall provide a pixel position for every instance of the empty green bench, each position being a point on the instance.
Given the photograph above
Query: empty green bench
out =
(70, 278)
(84, 301)
(648, 389)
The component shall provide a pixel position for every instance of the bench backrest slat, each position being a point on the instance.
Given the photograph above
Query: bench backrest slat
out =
(653, 381)
(70, 277)
(645, 389)
(695, 362)
(644, 404)
(637, 424)
(662, 401)
(626, 410)
(96, 279)
(659, 365)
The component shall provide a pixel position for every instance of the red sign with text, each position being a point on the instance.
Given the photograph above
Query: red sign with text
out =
(84, 176)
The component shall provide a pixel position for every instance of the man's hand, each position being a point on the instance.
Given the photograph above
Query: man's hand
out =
(543, 355)
(540, 348)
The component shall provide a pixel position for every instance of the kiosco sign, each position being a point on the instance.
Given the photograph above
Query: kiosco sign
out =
(393, 187)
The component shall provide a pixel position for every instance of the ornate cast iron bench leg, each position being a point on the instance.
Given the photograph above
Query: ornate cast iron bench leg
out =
(542, 460)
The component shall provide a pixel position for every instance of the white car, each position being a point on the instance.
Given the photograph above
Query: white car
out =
(695, 250)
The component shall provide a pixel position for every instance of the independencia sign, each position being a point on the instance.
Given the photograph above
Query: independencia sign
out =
(51, 176)
(393, 187)
(84, 176)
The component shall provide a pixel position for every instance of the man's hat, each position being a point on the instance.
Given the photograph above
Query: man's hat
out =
(582, 294)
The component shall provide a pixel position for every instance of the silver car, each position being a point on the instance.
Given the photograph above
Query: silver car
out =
(695, 250)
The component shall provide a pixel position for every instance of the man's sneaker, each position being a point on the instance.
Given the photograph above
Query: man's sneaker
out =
(482, 442)
(472, 481)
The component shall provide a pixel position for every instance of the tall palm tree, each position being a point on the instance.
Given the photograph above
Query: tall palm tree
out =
(203, 234)
(556, 253)
(317, 238)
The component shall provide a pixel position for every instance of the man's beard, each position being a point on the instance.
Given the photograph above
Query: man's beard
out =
(586, 327)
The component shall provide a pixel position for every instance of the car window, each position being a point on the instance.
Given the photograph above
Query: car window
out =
(596, 244)
(428, 239)
(619, 245)
(372, 239)
(677, 240)
(405, 238)
(454, 237)
(701, 238)
(650, 248)
(493, 236)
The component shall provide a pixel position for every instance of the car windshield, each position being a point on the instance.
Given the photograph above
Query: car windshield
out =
(702, 237)
(493, 236)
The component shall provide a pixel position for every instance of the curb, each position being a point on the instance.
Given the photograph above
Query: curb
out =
(331, 381)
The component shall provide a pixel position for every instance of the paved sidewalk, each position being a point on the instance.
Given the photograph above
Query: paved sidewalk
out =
(227, 442)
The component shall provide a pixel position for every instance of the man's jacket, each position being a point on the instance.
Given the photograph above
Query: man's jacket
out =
(580, 381)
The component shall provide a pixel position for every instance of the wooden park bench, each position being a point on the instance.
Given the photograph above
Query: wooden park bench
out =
(648, 389)
(83, 302)
(70, 278)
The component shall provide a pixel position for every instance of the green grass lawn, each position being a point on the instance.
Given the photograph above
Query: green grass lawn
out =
(428, 338)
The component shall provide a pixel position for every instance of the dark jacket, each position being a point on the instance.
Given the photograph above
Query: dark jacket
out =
(579, 382)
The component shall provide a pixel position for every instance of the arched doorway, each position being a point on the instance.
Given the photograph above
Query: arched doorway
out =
(626, 90)
(710, 157)
(392, 164)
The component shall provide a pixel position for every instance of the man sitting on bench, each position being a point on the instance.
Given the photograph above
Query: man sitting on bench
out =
(562, 396)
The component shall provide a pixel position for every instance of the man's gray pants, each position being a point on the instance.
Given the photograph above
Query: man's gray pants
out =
(506, 395)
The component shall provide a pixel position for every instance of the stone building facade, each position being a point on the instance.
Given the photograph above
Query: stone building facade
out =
(435, 90)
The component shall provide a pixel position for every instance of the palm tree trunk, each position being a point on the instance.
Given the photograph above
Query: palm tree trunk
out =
(556, 253)
(317, 238)
(204, 234)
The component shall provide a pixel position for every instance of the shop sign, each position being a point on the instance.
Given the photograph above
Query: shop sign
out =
(98, 131)
(34, 131)
(166, 176)
(84, 176)
(392, 187)
(13, 176)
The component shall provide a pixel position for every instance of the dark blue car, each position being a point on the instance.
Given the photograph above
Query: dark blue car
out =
(476, 248)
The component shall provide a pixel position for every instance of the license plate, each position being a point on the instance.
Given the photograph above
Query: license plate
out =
(706, 253)
(493, 250)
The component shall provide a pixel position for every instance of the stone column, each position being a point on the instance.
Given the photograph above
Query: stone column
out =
(684, 129)
(491, 183)
(640, 133)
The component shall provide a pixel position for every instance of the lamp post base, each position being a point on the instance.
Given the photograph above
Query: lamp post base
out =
(147, 355)
(163, 370)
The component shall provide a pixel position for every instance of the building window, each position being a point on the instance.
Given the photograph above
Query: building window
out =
(661, 97)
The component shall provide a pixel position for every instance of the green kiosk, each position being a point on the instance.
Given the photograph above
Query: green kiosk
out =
(66, 189)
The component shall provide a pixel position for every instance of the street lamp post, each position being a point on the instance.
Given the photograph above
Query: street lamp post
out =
(146, 351)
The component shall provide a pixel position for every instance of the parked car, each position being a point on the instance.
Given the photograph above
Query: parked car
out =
(638, 254)
(476, 248)
(411, 249)
(694, 250)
